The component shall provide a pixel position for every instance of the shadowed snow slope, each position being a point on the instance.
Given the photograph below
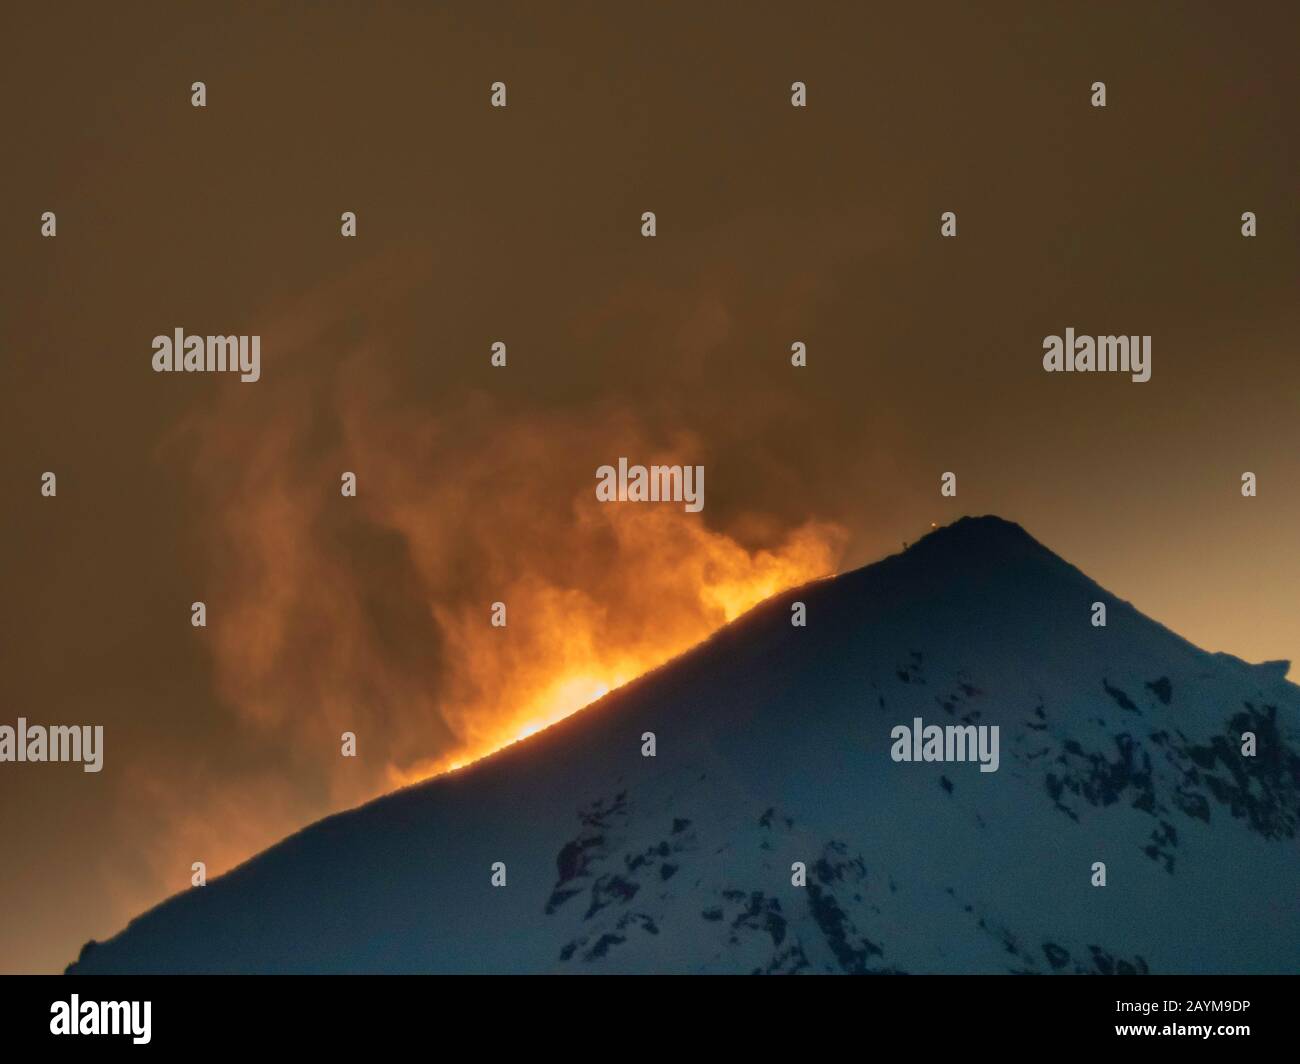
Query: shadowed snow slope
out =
(1120, 745)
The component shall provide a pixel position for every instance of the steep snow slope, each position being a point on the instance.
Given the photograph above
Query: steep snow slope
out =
(1119, 744)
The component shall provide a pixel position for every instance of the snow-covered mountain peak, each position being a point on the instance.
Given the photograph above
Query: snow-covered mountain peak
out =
(775, 828)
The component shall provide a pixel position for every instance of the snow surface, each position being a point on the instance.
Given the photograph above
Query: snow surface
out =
(1118, 744)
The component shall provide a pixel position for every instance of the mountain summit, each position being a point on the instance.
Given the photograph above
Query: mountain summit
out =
(1127, 757)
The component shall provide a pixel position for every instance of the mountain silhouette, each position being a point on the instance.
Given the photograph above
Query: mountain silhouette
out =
(1119, 745)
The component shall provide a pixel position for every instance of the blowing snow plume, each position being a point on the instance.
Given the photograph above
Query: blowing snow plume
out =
(778, 829)
(371, 614)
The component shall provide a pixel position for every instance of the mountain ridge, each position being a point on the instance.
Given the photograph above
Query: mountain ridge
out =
(773, 748)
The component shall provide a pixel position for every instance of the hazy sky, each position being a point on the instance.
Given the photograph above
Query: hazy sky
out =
(475, 224)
